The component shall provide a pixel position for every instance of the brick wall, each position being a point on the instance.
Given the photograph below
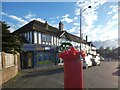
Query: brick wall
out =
(7, 73)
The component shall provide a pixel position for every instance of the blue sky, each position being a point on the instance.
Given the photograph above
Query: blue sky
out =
(100, 22)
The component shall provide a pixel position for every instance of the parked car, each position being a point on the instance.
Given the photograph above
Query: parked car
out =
(97, 60)
(87, 61)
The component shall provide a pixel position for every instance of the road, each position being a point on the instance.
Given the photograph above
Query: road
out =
(103, 76)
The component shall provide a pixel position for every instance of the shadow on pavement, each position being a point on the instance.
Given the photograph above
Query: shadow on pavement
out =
(44, 73)
(117, 73)
(118, 67)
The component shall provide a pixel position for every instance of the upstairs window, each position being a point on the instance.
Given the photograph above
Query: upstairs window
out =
(43, 37)
(46, 38)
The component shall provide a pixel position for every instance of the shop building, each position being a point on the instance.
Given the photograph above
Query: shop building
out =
(41, 41)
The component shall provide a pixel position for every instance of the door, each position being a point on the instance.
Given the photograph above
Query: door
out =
(29, 59)
(23, 58)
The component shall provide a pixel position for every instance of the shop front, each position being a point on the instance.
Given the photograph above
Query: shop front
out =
(38, 55)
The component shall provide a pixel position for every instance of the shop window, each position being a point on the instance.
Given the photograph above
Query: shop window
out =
(40, 58)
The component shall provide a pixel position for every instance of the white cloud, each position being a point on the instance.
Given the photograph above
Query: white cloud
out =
(112, 34)
(39, 19)
(75, 18)
(90, 16)
(108, 35)
(4, 13)
(22, 22)
(75, 31)
(54, 25)
(66, 18)
(19, 19)
(76, 24)
(13, 27)
(109, 13)
(57, 17)
(29, 15)
(52, 21)
(72, 30)
(114, 9)
(51, 18)
(115, 16)
(107, 32)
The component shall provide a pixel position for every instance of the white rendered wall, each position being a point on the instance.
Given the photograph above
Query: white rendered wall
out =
(35, 37)
(39, 36)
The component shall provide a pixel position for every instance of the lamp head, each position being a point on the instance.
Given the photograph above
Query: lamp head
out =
(89, 6)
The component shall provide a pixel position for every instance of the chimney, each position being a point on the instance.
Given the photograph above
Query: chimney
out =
(46, 25)
(61, 26)
(86, 38)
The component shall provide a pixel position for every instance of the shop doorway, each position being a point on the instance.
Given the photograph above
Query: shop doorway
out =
(30, 59)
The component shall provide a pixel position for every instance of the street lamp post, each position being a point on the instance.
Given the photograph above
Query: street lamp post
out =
(81, 11)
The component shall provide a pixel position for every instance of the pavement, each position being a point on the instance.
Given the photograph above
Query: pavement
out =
(42, 77)
(104, 76)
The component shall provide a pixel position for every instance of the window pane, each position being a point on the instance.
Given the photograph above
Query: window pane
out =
(48, 38)
(43, 37)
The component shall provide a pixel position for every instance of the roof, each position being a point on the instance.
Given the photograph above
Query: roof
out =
(75, 38)
(24, 40)
(40, 27)
(117, 49)
(90, 43)
(50, 30)
(25, 28)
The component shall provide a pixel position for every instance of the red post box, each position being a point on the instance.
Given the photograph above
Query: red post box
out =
(73, 74)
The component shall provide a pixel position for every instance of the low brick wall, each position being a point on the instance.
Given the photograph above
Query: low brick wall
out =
(7, 73)
(0, 78)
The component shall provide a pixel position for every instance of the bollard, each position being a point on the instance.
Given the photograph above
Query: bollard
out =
(73, 74)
